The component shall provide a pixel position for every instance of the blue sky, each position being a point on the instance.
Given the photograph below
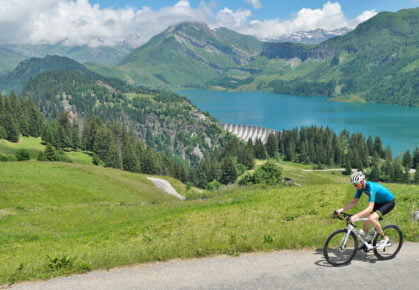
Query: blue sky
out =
(108, 22)
(282, 9)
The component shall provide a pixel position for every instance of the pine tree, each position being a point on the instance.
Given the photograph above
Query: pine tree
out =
(228, 171)
(3, 133)
(407, 160)
(91, 126)
(375, 174)
(103, 139)
(259, 150)
(130, 159)
(397, 171)
(149, 161)
(272, 145)
(50, 153)
(36, 119)
(113, 156)
(370, 146)
(348, 168)
(416, 157)
(246, 157)
(75, 135)
(416, 176)
(406, 176)
(12, 129)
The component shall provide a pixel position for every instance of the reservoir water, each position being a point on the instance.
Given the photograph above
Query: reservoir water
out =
(397, 126)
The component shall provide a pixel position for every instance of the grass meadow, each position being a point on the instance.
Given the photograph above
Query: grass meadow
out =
(60, 218)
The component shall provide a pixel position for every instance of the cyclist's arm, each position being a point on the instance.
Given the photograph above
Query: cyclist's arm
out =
(350, 205)
(364, 212)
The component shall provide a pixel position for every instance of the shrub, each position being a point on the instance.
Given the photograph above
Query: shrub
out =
(42, 156)
(269, 173)
(62, 157)
(22, 155)
(213, 185)
(6, 158)
(3, 133)
(56, 263)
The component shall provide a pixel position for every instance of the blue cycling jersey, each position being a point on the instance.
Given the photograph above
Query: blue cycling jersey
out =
(376, 192)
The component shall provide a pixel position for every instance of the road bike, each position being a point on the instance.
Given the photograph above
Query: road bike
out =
(341, 245)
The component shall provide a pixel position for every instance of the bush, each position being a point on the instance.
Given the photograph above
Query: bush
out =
(22, 155)
(269, 173)
(3, 133)
(42, 156)
(62, 157)
(213, 185)
(6, 158)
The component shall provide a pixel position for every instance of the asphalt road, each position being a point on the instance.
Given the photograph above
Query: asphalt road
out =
(271, 270)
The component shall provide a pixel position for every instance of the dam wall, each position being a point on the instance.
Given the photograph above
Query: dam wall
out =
(245, 132)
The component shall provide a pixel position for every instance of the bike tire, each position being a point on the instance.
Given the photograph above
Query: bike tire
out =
(396, 239)
(332, 251)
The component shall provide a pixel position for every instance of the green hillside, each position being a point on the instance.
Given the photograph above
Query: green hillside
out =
(187, 55)
(164, 121)
(57, 218)
(32, 67)
(34, 146)
(376, 62)
(8, 60)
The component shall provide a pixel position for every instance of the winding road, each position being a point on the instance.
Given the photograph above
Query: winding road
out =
(269, 270)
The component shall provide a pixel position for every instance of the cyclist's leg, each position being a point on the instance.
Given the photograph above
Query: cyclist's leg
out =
(366, 224)
(379, 211)
(373, 219)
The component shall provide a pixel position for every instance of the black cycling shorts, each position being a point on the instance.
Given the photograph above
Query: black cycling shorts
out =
(383, 208)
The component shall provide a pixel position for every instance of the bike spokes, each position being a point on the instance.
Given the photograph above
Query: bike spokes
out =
(393, 245)
(340, 247)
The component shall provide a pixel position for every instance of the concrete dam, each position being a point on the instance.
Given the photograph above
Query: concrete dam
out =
(245, 132)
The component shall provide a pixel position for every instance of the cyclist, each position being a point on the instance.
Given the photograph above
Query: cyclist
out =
(381, 201)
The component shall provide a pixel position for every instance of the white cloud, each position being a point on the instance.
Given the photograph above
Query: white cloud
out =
(77, 22)
(329, 17)
(255, 3)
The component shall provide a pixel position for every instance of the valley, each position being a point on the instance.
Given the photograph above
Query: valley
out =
(248, 132)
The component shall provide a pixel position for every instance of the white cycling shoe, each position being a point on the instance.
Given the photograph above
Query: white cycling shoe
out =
(385, 242)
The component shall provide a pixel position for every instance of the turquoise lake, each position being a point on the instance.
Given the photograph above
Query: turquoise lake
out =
(397, 126)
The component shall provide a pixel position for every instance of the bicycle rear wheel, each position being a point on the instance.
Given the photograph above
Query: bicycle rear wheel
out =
(395, 243)
(336, 251)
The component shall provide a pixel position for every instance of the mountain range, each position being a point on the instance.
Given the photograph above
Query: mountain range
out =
(313, 36)
(377, 61)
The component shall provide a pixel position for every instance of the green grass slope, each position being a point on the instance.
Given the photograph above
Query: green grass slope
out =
(34, 146)
(57, 219)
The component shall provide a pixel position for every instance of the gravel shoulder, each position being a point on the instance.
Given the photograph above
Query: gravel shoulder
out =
(268, 270)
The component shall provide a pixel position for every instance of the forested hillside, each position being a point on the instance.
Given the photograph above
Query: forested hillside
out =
(32, 67)
(376, 62)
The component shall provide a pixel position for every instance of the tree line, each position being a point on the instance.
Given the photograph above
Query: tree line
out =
(112, 144)
(323, 148)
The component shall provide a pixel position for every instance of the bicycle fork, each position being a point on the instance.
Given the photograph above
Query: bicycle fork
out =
(342, 243)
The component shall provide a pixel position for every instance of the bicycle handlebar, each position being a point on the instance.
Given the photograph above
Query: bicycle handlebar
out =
(345, 215)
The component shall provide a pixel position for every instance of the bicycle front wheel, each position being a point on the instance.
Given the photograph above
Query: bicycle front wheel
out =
(340, 248)
(393, 247)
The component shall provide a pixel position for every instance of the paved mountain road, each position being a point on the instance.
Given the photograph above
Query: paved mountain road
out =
(270, 270)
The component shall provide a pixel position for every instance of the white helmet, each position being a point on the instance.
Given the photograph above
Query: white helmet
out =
(357, 177)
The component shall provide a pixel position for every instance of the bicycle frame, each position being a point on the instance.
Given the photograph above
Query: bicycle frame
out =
(352, 228)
